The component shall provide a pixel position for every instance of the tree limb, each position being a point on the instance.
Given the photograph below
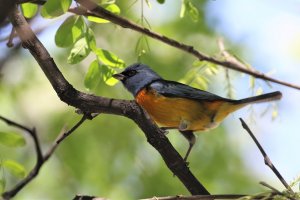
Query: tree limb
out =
(41, 159)
(96, 104)
(95, 10)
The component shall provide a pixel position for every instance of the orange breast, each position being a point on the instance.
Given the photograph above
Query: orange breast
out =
(170, 112)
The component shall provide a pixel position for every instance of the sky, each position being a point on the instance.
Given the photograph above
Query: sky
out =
(269, 31)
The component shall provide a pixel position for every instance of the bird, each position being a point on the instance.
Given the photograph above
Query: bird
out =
(173, 105)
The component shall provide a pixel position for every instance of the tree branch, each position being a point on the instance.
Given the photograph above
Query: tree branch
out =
(95, 104)
(267, 160)
(199, 197)
(41, 159)
(95, 10)
(66, 134)
(178, 197)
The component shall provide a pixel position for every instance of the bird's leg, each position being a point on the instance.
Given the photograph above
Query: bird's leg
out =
(183, 125)
(189, 135)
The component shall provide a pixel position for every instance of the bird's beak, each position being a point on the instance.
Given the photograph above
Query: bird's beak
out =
(119, 76)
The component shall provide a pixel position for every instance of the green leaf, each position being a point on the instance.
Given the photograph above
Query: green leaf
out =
(97, 20)
(2, 185)
(110, 59)
(202, 82)
(259, 91)
(211, 68)
(70, 31)
(207, 67)
(182, 9)
(252, 82)
(274, 114)
(55, 8)
(79, 51)
(106, 74)
(12, 139)
(111, 81)
(148, 4)
(197, 63)
(29, 9)
(90, 38)
(112, 8)
(142, 46)
(14, 168)
(93, 75)
(161, 1)
(96, 73)
(295, 181)
(192, 11)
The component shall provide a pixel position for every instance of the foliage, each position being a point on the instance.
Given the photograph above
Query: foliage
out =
(12, 139)
(54, 8)
(17, 170)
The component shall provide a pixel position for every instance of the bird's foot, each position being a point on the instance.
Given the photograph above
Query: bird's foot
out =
(164, 130)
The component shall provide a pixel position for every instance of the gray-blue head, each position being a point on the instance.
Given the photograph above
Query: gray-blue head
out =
(135, 77)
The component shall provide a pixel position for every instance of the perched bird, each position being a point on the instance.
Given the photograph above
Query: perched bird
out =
(174, 105)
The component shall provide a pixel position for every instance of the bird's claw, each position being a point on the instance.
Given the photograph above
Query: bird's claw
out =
(164, 130)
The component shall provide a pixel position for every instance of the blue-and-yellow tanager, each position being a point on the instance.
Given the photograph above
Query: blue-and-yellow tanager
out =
(174, 105)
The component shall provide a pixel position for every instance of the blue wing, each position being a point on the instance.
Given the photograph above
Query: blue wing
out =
(175, 89)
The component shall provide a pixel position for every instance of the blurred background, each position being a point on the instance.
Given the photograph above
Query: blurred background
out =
(109, 156)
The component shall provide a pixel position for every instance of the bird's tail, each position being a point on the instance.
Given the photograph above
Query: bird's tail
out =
(260, 98)
(234, 105)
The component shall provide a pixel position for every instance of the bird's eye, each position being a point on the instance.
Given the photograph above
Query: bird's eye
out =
(130, 73)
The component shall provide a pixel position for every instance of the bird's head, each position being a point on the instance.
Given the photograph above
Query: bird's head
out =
(135, 77)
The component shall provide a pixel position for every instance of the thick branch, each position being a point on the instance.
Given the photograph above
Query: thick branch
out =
(95, 104)
(96, 10)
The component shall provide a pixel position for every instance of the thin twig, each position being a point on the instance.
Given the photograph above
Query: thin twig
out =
(270, 187)
(95, 10)
(267, 160)
(40, 158)
(62, 136)
(15, 124)
(66, 134)
(88, 197)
